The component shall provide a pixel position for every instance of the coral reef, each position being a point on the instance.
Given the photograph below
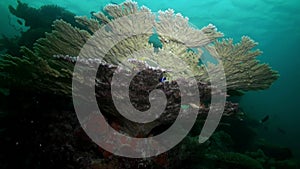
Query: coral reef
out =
(46, 70)
(242, 70)
(38, 22)
(244, 73)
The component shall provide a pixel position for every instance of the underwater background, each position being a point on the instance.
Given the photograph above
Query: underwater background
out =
(274, 24)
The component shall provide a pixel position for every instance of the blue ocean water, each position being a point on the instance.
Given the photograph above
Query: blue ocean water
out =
(275, 24)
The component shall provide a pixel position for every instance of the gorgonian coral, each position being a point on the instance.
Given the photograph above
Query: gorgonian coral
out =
(38, 70)
(242, 70)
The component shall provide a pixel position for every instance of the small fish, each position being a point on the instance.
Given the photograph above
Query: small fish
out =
(19, 22)
(184, 106)
(194, 106)
(263, 120)
(163, 79)
(92, 13)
